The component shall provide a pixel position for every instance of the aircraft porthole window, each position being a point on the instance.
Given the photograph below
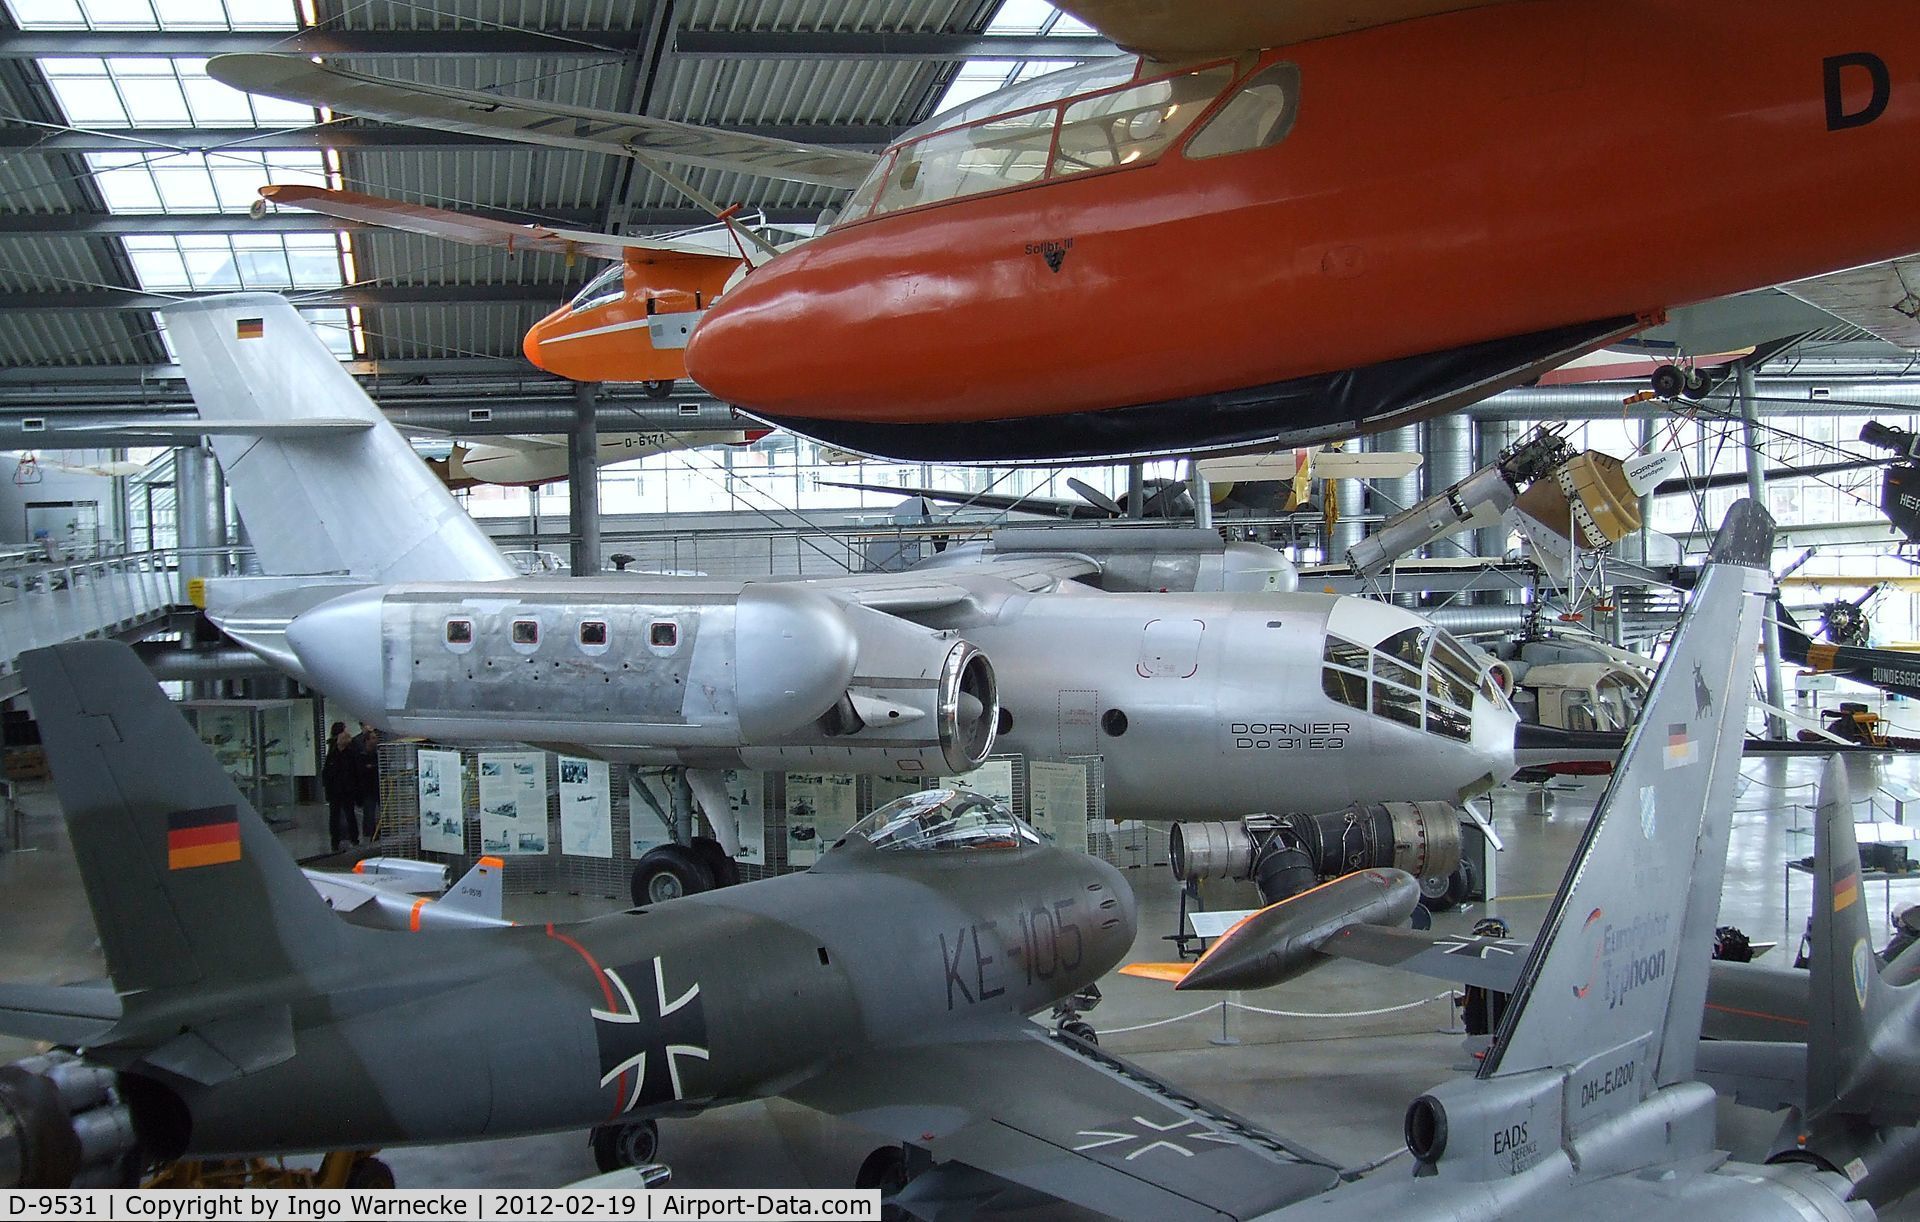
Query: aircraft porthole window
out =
(526, 635)
(663, 634)
(593, 636)
(459, 635)
(1114, 722)
(1259, 115)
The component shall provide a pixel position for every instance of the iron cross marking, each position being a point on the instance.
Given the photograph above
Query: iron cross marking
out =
(647, 1037)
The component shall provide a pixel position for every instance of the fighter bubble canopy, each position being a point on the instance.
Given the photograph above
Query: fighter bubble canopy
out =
(937, 819)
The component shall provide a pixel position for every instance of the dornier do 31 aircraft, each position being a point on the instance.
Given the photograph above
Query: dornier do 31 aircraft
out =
(1380, 211)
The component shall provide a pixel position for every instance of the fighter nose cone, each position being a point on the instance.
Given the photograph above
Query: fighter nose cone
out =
(338, 645)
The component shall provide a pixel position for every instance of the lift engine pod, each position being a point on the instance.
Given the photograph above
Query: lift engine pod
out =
(1286, 854)
(63, 1124)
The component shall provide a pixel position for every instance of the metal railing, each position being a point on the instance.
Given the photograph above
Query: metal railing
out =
(45, 604)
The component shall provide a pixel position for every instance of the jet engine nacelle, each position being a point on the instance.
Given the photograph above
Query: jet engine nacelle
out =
(63, 1124)
(1286, 854)
(770, 675)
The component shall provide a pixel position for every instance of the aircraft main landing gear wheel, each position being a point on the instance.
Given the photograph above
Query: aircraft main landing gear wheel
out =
(1081, 1030)
(725, 870)
(669, 872)
(370, 1173)
(888, 1170)
(1444, 893)
(658, 389)
(619, 1146)
(1669, 381)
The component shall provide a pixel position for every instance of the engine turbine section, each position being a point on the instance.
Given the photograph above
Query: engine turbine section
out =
(1285, 855)
(63, 1124)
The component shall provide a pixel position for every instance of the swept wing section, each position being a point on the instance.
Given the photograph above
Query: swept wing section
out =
(1877, 299)
(1174, 30)
(1063, 1118)
(526, 121)
(1489, 963)
(484, 231)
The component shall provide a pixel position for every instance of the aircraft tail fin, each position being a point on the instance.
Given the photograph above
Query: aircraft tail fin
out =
(188, 886)
(479, 891)
(1844, 981)
(1795, 644)
(355, 502)
(1621, 963)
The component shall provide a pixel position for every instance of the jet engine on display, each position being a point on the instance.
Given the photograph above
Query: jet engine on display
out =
(1285, 855)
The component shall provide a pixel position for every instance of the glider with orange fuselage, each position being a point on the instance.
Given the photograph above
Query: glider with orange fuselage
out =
(1270, 222)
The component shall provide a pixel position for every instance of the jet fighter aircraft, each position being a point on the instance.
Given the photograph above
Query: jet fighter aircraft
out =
(1279, 222)
(890, 981)
(1835, 1043)
(1205, 683)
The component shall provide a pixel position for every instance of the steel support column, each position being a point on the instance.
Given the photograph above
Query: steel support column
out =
(1202, 494)
(1449, 451)
(1757, 489)
(583, 483)
(1136, 490)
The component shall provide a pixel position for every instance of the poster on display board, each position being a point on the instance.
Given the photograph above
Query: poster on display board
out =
(747, 799)
(993, 778)
(821, 806)
(442, 791)
(586, 807)
(649, 811)
(892, 788)
(1057, 802)
(513, 802)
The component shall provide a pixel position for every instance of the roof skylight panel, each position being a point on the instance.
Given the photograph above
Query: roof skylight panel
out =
(128, 92)
(154, 14)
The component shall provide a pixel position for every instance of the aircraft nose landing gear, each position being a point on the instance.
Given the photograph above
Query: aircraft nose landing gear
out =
(1067, 1014)
(633, 1143)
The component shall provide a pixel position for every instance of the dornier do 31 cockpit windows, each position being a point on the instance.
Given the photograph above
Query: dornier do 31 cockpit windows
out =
(1419, 677)
(939, 819)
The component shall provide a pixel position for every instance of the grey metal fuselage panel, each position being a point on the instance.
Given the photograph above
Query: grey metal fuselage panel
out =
(709, 999)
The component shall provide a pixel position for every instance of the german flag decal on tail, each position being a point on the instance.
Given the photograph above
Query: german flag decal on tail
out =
(205, 837)
(250, 328)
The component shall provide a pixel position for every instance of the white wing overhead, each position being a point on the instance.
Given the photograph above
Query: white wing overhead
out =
(1883, 299)
(1175, 30)
(527, 121)
(473, 230)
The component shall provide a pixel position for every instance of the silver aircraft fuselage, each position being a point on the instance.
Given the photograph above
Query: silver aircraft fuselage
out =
(1201, 705)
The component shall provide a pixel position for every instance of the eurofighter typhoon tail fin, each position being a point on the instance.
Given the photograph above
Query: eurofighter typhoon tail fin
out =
(358, 503)
(190, 891)
(1621, 962)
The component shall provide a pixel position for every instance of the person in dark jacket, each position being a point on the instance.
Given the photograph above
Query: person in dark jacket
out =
(366, 779)
(337, 779)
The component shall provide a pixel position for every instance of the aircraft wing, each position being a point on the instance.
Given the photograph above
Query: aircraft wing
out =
(69, 1014)
(1051, 506)
(341, 895)
(527, 121)
(1877, 299)
(472, 230)
(1066, 1119)
(1766, 1076)
(1176, 31)
(1490, 963)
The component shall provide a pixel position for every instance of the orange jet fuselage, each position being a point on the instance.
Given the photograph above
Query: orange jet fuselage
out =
(1457, 203)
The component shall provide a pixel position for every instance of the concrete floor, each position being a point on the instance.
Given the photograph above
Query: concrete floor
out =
(1338, 1084)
